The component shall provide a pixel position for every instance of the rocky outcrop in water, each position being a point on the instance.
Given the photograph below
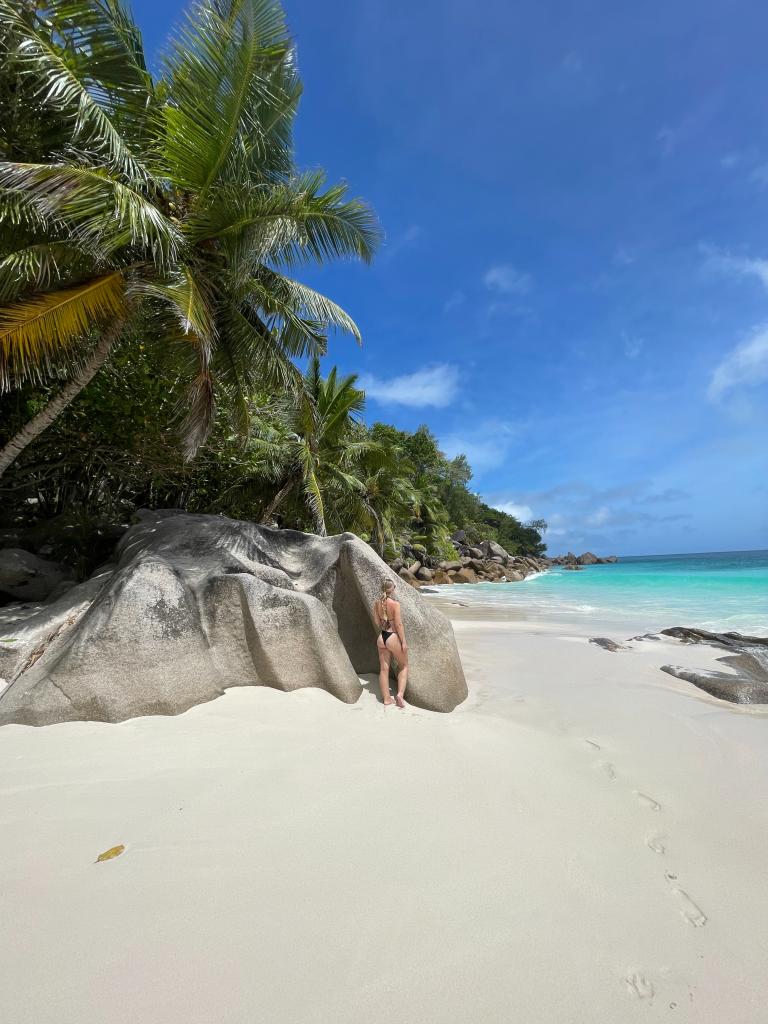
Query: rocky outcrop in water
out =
(486, 562)
(195, 604)
(747, 683)
(586, 559)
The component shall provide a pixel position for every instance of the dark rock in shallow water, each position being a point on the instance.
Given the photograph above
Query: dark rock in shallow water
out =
(198, 603)
(607, 644)
(746, 684)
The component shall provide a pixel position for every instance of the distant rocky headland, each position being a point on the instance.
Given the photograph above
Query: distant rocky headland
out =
(484, 562)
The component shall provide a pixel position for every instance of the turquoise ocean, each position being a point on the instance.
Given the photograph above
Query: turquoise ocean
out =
(723, 590)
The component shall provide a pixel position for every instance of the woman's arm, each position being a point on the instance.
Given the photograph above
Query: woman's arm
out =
(399, 626)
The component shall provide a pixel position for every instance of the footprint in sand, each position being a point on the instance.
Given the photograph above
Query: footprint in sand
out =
(692, 913)
(591, 743)
(608, 769)
(654, 842)
(648, 801)
(639, 986)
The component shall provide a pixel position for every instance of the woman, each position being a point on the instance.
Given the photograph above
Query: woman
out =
(391, 640)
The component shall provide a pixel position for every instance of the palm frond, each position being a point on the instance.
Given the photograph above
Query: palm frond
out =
(314, 498)
(232, 92)
(339, 475)
(106, 46)
(36, 332)
(256, 353)
(188, 296)
(299, 336)
(308, 304)
(338, 403)
(201, 410)
(293, 222)
(61, 78)
(97, 208)
(330, 224)
(38, 266)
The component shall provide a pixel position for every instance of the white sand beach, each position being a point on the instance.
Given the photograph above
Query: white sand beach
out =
(582, 842)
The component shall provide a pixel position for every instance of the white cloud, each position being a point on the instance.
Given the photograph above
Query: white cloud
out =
(402, 241)
(599, 517)
(572, 62)
(486, 446)
(739, 265)
(729, 160)
(504, 278)
(557, 525)
(622, 257)
(667, 139)
(522, 512)
(431, 386)
(632, 346)
(481, 455)
(454, 299)
(747, 363)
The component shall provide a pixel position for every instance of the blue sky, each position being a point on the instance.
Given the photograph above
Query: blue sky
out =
(574, 285)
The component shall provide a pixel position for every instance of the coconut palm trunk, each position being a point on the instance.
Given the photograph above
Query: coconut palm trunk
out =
(278, 499)
(43, 419)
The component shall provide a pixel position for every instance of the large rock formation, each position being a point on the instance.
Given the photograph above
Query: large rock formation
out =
(26, 577)
(588, 558)
(199, 603)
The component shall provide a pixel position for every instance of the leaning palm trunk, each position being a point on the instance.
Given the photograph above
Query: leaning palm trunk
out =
(278, 499)
(378, 534)
(43, 419)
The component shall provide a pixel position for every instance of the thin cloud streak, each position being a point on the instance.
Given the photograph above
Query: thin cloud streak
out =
(745, 365)
(433, 386)
(740, 266)
(507, 280)
(404, 240)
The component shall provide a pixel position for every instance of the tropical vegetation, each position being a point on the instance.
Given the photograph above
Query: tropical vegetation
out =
(152, 331)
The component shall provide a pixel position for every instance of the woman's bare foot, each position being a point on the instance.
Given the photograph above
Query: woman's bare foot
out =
(386, 703)
(400, 701)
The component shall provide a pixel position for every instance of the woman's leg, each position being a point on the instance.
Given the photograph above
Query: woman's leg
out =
(385, 659)
(401, 657)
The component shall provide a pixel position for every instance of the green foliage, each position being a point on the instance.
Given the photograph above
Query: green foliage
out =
(184, 188)
(180, 198)
(309, 464)
(511, 533)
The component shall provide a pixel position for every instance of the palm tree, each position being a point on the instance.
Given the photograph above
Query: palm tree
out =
(177, 201)
(382, 507)
(310, 447)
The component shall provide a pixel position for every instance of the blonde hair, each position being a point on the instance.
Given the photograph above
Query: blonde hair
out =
(387, 586)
